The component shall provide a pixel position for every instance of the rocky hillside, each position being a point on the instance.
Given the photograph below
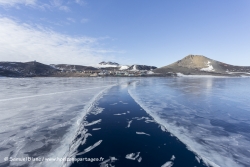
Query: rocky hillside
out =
(140, 67)
(201, 65)
(72, 68)
(28, 69)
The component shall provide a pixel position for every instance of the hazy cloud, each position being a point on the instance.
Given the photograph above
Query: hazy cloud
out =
(84, 20)
(17, 2)
(23, 42)
(60, 5)
(80, 2)
(71, 19)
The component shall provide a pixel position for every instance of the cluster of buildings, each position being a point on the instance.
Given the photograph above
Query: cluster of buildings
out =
(122, 73)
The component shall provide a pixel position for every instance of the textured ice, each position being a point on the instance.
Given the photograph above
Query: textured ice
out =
(90, 148)
(97, 110)
(96, 129)
(36, 113)
(210, 115)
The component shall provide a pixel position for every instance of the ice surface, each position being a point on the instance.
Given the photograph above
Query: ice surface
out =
(96, 129)
(210, 115)
(36, 113)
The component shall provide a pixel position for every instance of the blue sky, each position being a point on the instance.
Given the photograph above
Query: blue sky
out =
(125, 31)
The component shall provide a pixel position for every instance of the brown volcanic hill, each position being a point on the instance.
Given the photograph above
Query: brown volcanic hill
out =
(201, 65)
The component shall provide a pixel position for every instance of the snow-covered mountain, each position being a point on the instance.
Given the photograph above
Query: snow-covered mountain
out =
(125, 67)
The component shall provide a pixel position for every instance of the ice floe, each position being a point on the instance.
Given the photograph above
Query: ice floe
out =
(120, 114)
(142, 133)
(93, 123)
(172, 158)
(133, 156)
(129, 123)
(168, 164)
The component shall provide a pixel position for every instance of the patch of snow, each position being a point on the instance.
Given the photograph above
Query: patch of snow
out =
(209, 68)
(150, 72)
(124, 67)
(134, 68)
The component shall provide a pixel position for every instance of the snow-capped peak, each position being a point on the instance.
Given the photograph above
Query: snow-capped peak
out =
(209, 68)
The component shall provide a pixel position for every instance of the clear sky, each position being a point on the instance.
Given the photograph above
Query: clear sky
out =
(125, 31)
